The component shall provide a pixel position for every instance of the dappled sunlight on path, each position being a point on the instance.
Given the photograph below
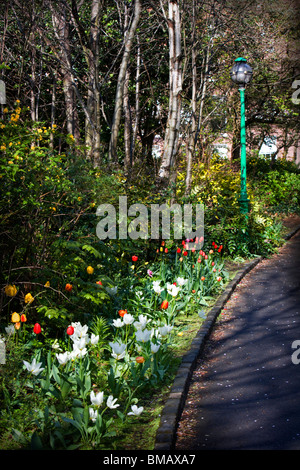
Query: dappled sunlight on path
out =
(245, 390)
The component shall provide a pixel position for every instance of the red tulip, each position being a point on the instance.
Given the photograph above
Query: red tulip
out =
(178, 250)
(68, 287)
(134, 258)
(165, 304)
(185, 253)
(37, 329)
(70, 330)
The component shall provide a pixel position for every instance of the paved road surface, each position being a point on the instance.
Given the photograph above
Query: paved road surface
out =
(245, 391)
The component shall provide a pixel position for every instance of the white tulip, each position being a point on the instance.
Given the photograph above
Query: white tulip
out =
(111, 402)
(128, 319)
(97, 400)
(118, 323)
(35, 367)
(94, 339)
(63, 358)
(136, 411)
(181, 281)
(93, 414)
(143, 335)
(154, 348)
(118, 350)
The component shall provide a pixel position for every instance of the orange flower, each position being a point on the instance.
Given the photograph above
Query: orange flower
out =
(122, 313)
(99, 282)
(140, 359)
(164, 304)
(17, 325)
(68, 287)
(202, 278)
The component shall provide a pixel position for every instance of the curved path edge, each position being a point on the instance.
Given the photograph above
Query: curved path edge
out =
(166, 433)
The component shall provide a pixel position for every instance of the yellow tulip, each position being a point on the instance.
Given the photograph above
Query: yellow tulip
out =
(47, 284)
(15, 318)
(90, 270)
(10, 291)
(28, 298)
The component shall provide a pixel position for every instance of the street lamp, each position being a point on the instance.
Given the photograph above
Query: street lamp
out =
(241, 74)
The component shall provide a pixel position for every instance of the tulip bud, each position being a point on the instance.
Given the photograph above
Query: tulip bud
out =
(165, 304)
(37, 329)
(70, 330)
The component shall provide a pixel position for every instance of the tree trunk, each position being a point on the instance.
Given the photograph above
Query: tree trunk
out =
(62, 32)
(175, 84)
(128, 40)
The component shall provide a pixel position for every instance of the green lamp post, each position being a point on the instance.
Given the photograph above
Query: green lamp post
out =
(241, 74)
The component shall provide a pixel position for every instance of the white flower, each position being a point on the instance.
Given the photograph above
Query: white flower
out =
(139, 295)
(128, 319)
(97, 400)
(172, 289)
(154, 347)
(78, 353)
(80, 343)
(93, 414)
(141, 324)
(10, 330)
(118, 350)
(55, 345)
(135, 410)
(181, 281)
(164, 330)
(156, 287)
(63, 358)
(35, 367)
(94, 339)
(80, 331)
(143, 335)
(118, 323)
(111, 402)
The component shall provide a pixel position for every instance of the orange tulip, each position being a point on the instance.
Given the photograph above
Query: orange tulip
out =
(165, 304)
(68, 287)
(17, 325)
(122, 313)
(140, 359)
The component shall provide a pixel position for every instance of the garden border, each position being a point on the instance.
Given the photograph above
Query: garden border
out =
(166, 433)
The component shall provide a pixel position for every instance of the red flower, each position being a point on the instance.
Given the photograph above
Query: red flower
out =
(37, 329)
(185, 253)
(70, 330)
(134, 258)
(202, 278)
(166, 250)
(164, 304)
(23, 318)
(178, 250)
(122, 313)
(99, 282)
(220, 248)
(68, 287)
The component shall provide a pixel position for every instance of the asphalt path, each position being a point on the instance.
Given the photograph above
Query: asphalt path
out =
(245, 390)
